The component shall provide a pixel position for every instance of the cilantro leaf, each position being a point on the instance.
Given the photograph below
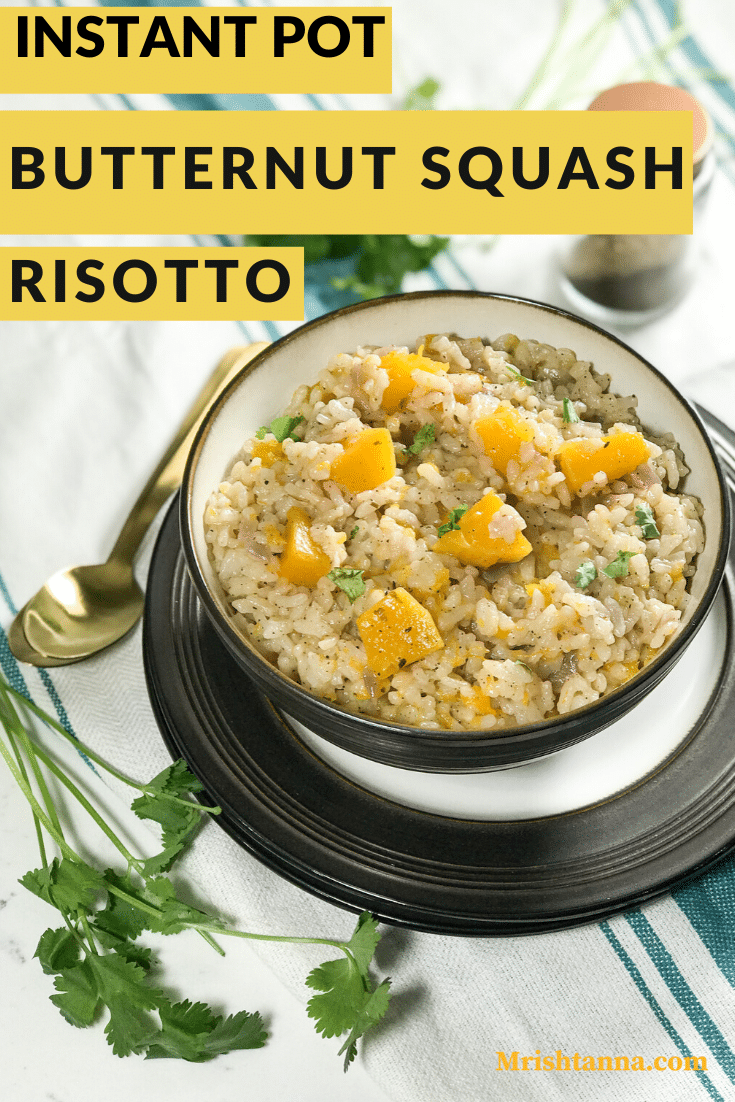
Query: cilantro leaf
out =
(451, 525)
(341, 998)
(618, 568)
(354, 532)
(175, 780)
(242, 1030)
(517, 375)
(66, 885)
(346, 1001)
(176, 819)
(586, 574)
(162, 862)
(422, 439)
(569, 413)
(119, 917)
(647, 524)
(192, 1032)
(350, 581)
(175, 914)
(123, 988)
(184, 1028)
(364, 940)
(281, 427)
(57, 950)
(371, 1013)
(76, 995)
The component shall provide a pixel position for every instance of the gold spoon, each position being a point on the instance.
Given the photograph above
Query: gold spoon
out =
(84, 609)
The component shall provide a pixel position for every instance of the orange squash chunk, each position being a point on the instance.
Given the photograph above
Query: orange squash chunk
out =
(367, 461)
(399, 366)
(267, 451)
(303, 562)
(619, 455)
(502, 434)
(396, 631)
(472, 544)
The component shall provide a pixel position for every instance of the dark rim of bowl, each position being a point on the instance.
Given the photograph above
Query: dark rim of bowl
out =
(510, 736)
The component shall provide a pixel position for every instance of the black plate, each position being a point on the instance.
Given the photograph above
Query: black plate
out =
(412, 868)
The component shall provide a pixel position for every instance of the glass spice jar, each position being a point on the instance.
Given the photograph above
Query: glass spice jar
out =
(628, 279)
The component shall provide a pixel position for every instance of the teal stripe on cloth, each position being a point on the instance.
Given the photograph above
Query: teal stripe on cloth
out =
(701, 62)
(656, 1008)
(682, 992)
(12, 671)
(709, 904)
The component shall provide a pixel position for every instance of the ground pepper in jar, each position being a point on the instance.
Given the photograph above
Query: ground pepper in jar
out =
(631, 278)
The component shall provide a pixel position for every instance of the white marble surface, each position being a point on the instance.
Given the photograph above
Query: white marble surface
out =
(43, 1059)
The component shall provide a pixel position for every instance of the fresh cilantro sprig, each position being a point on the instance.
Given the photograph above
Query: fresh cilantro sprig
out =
(349, 580)
(95, 957)
(646, 522)
(380, 260)
(451, 524)
(281, 427)
(422, 439)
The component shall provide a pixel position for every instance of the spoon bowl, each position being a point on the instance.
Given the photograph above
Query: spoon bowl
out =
(84, 609)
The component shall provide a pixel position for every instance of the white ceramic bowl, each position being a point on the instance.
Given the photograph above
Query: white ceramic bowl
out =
(260, 393)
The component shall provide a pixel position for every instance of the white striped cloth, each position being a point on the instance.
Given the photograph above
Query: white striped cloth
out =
(86, 406)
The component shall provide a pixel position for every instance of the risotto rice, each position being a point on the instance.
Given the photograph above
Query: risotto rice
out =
(467, 535)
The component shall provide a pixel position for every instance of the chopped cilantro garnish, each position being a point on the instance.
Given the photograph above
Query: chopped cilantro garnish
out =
(349, 580)
(421, 440)
(451, 524)
(569, 413)
(586, 574)
(644, 517)
(618, 568)
(354, 532)
(281, 427)
(517, 375)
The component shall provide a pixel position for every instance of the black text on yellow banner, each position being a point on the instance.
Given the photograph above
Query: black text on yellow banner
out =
(195, 49)
(166, 284)
(296, 172)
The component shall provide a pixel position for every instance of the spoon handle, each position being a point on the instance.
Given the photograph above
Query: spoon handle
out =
(167, 476)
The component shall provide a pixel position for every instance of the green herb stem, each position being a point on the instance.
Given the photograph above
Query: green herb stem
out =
(36, 822)
(75, 742)
(88, 807)
(38, 811)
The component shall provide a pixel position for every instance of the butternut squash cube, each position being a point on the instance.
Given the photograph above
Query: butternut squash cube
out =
(303, 562)
(367, 461)
(267, 451)
(473, 543)
(396, 631)
(399, 366)
(620, 454)
(502, 434)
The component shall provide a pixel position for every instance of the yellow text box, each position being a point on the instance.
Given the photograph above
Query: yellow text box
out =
(476, 172)
(157, 283)
(195, 49)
